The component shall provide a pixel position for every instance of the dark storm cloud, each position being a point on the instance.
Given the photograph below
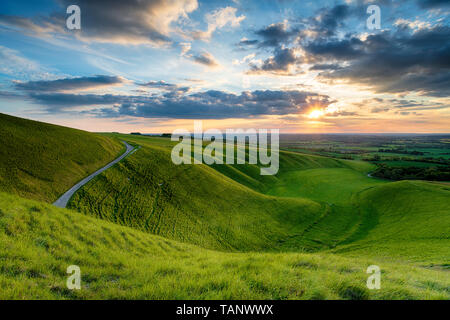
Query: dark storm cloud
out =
(81, 83)
(203, 105)
(392, 62)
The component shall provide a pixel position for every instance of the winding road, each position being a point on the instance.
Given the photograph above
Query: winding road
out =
(64, 199)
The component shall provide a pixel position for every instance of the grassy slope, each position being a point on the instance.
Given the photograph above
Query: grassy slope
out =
(407, 220)
(314, 203)
(191, 203)
(41, 161)
(197, 204)
(40, 241)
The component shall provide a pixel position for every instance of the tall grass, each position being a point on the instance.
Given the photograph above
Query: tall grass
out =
(41, 161)
(40, 241)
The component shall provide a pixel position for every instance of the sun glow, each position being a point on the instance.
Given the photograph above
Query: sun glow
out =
(316, 114)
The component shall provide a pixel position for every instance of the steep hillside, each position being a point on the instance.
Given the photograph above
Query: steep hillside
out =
(313, 203)
(259, 226)
(40, 241)
(194, 204)
(41, 161)
(407, 220)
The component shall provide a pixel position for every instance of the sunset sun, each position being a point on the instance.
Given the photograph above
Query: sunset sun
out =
(316, 114)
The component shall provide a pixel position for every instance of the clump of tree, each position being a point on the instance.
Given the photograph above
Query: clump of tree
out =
(402, 151)
(412, 173)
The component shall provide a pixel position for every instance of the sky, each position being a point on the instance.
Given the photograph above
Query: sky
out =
(153, 66)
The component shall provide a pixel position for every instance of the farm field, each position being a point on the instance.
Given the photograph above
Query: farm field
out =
(405, 148)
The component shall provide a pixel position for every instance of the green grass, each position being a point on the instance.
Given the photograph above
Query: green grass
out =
(314, 203)
(410, 220)
(41, 161)
(193, 204)
(214, 232)
(40, 241)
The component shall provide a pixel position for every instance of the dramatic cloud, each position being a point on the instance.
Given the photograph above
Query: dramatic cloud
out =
(327, 21)
(70, 84)
(217, 20)
(274, 35)
(280, 63)
(283, 39)
(392, 62)
(203, 105)
(132, 21)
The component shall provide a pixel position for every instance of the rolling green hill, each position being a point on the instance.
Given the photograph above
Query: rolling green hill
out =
(41, 161)
(313, 203)
(193, 204)
(204, 232)
(40, 241)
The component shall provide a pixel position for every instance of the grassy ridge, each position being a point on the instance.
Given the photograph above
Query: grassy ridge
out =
(41, 161)
(193, 204)
(40, 241)
(263, 223)
(313, 203)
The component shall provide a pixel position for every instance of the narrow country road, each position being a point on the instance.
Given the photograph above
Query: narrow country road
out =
(64, 199)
